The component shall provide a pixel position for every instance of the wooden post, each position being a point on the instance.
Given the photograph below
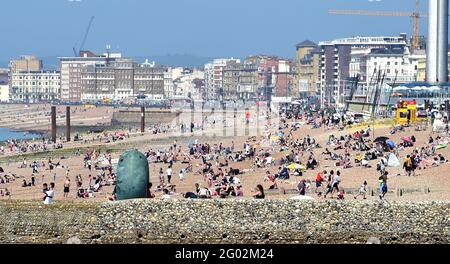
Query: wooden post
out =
(142, 119)
(192, 117)
(68, 126)
(224, 120)
(257, 119)
(54, 124)
(235, 122)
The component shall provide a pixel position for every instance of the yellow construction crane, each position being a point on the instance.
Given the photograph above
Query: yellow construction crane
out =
(416, 16)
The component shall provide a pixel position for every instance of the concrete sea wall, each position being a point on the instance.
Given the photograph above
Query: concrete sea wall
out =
(152, 117)
(228, 221)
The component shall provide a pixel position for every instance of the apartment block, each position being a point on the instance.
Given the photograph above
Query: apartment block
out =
(214, 77)
(72, 69)
(307, 68)
(335, 62)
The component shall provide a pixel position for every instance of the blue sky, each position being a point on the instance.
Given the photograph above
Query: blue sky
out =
(212, 28)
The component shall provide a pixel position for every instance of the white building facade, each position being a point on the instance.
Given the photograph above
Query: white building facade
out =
(184, 86)
(33, 87)
(396, 68)
(4, 93)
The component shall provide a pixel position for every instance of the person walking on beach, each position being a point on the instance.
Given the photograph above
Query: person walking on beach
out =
(181, 175)
(408, 166)
(320, 178)
(383, 185)
(329, 184)
(161, 177)
(301, 187)
(169, 174)
(89, 164)
(335, 183)
(66, 187)
(362, 191)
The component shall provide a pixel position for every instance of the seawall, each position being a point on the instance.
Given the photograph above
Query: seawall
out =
(228, 221)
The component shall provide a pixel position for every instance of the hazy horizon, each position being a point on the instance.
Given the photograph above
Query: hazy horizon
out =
(199, 28)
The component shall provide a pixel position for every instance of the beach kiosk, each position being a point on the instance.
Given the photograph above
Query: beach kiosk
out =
(406, 112)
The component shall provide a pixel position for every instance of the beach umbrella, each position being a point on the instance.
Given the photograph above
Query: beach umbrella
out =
(381, 139)
(400, 88)
(434, 89)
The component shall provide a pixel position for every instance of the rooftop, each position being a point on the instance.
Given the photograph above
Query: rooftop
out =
(306, 44)
(380, 40)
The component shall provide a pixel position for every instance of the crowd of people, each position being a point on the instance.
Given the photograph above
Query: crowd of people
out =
(282, 157)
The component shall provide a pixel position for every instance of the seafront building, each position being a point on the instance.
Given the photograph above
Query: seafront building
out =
(35, 86)
(4, 92)
(214, 77)
(71, 71)
(307, 64)
(397, 65)
(30, 83)
(121, 79)
(276, 76)
(26, 63)
(240, 80)
(335, 62)
(190, 83)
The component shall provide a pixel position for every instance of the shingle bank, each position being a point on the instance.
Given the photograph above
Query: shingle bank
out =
(227, 221)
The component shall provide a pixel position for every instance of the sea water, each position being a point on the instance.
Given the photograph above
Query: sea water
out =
(6, 133)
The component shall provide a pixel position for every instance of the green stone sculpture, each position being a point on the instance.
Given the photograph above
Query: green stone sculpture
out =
(132, 176)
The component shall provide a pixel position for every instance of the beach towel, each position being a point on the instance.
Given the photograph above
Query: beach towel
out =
(441, 146)
(393, 161)
(391, 144)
